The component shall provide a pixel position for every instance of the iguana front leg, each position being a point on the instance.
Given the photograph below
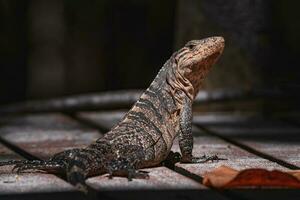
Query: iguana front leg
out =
(186, 136)
(185, 132)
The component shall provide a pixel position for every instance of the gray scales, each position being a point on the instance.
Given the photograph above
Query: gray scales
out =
(144, 137)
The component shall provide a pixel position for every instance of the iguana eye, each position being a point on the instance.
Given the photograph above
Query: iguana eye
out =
(191, 46)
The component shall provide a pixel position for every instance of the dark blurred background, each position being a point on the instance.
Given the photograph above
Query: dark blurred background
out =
(51, 48)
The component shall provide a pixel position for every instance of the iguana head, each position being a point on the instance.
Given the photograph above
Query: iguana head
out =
(194, 60)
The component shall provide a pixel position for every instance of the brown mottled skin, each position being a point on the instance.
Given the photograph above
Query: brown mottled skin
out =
(144, 137)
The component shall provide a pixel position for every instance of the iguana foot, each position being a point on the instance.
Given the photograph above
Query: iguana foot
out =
(138, 174)
(202, 159)
(130, 174)
(125, 167)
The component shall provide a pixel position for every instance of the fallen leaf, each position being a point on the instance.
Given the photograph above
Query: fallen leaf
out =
(226, 177)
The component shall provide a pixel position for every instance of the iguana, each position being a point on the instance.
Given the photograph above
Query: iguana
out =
(144, 137)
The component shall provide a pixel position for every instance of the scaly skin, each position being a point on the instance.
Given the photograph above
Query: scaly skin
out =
(144, 137)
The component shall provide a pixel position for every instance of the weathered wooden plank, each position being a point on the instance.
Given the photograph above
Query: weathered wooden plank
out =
(11, 183)
(274, 138)
(28, 185)
(163, 183)
(236, 157)
(160, 178)
(46, 134)
(40, 135)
